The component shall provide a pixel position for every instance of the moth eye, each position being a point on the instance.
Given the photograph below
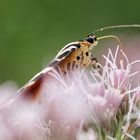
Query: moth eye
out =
(90, 40)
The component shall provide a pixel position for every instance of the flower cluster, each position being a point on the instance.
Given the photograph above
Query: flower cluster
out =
(83, 105)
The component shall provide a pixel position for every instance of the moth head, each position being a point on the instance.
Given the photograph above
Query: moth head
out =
(92, 40)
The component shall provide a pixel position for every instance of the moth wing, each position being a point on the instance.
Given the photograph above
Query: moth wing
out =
(64, 53)
(32, 88)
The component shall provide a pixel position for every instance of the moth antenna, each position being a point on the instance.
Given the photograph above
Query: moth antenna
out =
(118, 26)
(114, 37)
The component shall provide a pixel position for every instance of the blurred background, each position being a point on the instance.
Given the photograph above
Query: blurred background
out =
(33, 31)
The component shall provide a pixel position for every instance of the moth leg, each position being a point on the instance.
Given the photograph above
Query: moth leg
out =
(95, 64)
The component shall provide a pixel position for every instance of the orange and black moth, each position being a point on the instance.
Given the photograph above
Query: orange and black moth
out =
(75, 55)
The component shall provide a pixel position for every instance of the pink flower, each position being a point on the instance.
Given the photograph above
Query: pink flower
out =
(120, 79)
(77, 106)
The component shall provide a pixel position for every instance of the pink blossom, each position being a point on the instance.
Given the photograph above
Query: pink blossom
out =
(82, 105)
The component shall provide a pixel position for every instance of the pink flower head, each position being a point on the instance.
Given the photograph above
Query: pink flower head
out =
(120, 79)
(115, 74)
(80, 105)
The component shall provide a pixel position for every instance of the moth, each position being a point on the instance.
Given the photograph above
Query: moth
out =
(75, 55)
